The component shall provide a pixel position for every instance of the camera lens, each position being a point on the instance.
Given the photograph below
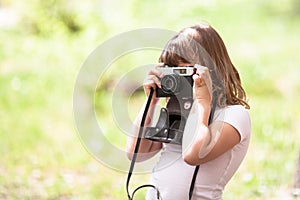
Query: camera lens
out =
(171, 83)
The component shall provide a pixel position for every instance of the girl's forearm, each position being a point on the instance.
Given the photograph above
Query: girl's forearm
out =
(146, 146)
(200, 134)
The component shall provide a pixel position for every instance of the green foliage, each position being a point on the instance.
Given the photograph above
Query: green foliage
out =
(40, 56)
(45, 18)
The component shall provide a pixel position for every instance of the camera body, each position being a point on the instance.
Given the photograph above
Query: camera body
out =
(176, 81)
(177, 84)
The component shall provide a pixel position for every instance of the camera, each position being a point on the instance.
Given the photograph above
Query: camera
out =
(177, 84)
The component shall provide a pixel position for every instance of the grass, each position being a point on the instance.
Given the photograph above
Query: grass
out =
(42, 155)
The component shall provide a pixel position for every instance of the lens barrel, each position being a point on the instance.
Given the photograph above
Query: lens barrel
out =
(171, 84)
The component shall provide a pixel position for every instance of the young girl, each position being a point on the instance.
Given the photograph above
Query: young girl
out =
(219, 147)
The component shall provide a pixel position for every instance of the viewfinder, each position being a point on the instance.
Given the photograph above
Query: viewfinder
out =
(180, 71)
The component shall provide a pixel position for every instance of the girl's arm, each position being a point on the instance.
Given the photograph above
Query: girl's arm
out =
(208, 142)
(147, 148)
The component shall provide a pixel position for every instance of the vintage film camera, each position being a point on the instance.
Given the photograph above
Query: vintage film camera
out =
(177, 84)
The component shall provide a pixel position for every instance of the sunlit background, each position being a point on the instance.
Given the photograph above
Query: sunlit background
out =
(43, 44)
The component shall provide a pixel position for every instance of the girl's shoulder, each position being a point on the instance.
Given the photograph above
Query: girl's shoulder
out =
(231, 111)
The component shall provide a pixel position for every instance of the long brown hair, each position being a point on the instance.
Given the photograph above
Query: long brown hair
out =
(201, 44)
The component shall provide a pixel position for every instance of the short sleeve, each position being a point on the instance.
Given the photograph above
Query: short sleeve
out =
(238, 117)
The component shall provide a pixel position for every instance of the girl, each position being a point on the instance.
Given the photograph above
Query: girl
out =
(219, 147)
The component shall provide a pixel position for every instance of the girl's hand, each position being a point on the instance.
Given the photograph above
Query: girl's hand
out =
(202, 86)
(152, 80)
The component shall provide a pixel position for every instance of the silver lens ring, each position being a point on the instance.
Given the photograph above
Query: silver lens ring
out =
(171, 83)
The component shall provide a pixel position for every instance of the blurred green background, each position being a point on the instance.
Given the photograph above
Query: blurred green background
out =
(44, 43)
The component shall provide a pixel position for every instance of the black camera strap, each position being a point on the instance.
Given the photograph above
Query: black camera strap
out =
(211, 116)
(136, 150)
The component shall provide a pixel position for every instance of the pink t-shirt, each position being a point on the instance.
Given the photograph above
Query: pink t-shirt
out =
(172, 176)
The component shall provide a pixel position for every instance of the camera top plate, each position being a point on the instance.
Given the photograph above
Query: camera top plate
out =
(182, 71)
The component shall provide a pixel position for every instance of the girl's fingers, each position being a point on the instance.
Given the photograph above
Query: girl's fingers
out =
(153, 81)
(198, 81)
(202, 82)
(155, 72)
(203, 72)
